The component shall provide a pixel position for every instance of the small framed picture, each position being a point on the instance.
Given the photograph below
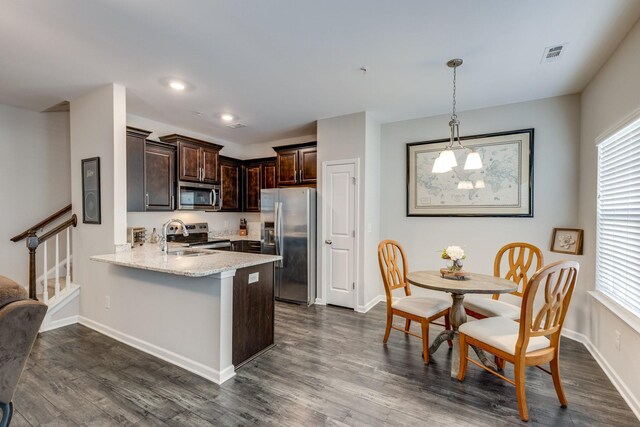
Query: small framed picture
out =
(567, 241)
(91, 190)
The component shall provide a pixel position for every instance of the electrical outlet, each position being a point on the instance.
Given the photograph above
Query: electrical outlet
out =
(254, 277)
(107, 302)
(617, 342)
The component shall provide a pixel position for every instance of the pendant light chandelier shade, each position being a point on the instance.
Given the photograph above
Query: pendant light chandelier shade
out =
(446, 161)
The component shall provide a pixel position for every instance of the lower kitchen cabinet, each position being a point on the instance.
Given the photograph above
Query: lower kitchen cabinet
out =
(253, 313)
(251, 246)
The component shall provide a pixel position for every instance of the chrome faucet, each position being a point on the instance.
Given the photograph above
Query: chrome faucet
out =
(163, 243)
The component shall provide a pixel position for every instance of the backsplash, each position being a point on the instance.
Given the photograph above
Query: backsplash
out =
(220, 223)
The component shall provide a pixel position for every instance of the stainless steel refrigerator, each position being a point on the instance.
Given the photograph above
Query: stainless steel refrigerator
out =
(288, 224)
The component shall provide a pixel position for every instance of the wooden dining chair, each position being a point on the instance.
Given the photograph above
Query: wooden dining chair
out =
(394, 267)
(520, 258)
(533, 341)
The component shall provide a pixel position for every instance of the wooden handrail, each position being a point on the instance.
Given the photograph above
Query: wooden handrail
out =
(72, 222)
(32, 230)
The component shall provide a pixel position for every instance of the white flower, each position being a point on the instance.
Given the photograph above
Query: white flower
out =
(455, 252)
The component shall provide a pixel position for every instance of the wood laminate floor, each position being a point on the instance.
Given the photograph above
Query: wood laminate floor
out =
(329, 368)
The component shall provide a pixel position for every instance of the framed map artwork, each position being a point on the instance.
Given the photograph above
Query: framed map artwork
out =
(502, 187)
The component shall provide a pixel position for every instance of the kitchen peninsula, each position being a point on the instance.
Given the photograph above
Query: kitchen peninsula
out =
(207, 311)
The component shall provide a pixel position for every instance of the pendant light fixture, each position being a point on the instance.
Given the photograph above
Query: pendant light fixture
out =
(447, 158)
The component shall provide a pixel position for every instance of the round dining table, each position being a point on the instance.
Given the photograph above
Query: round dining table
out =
(472, 283)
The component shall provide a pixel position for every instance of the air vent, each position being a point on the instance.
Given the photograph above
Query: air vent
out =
(552, 53)
(236, 125)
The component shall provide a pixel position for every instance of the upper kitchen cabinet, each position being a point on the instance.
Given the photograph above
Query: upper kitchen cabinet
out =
(296, 165)
(150, 173)
(269, 173)
(160, 176)
(258, 174)
(230, 184)
(197, 160)
(253, 180)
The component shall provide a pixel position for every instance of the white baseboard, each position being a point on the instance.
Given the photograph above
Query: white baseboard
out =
(197, 368)
(320, 301)
(615, 379)
(368, 306)
(50, 325)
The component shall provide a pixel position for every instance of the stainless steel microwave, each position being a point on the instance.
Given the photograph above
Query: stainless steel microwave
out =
(195, 196)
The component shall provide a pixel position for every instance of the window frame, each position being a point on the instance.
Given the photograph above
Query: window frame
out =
(620, 309)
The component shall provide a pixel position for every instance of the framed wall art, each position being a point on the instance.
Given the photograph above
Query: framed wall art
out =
(91, 190)
(567, 241)
(502, 187)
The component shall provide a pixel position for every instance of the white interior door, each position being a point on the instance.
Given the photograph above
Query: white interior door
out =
(339, 215)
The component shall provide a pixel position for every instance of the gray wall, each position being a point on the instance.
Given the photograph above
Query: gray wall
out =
(610, 98)
(556, 140)
(35, 179)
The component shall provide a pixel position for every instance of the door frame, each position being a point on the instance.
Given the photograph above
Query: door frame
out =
(356, 256)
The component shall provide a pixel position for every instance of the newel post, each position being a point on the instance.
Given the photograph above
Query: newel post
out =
(32, 245)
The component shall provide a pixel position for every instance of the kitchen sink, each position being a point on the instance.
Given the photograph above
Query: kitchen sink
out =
(188, 252)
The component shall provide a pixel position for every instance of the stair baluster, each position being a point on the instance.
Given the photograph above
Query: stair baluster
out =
(57, 287)
(45, 285)
(33, 241)
(67, 266)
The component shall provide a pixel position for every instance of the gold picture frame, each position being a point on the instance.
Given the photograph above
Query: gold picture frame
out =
(567, 241)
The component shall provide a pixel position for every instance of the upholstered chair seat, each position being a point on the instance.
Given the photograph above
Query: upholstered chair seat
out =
(420, 306)
(489, 307)
(501, 333)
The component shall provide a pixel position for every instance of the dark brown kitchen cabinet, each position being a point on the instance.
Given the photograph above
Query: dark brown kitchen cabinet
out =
(135, 168)
(258, 175)
(197, 160)
(253, 185)
(269, 174)
(150, 173)
(296, 165)
(159, 177)
(308, 166)
(230, 184)
(253, 312)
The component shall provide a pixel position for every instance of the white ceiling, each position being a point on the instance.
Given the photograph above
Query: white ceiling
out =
(282, 64)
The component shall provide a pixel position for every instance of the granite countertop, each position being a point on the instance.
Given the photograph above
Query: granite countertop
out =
(149, 257)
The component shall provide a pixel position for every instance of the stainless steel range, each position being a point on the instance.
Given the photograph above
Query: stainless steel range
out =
(198, 237)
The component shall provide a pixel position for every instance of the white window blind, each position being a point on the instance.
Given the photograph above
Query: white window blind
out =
(618, 217)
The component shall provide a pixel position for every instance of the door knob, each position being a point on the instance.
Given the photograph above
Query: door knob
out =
(328, 242)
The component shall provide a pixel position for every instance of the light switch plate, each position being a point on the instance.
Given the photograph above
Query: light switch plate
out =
(254, 277)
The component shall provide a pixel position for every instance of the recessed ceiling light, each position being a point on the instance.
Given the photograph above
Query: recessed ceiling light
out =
(227, 117)
(177, 85)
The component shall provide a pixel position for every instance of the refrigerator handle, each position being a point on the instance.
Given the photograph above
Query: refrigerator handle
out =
(279, 237)
(276, 233)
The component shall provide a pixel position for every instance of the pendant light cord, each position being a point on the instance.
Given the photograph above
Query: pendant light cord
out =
(453, 114)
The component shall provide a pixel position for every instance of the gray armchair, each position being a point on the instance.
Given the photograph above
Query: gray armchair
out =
(20, 320)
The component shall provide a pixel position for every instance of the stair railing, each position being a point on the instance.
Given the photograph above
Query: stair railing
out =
(33, 242)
